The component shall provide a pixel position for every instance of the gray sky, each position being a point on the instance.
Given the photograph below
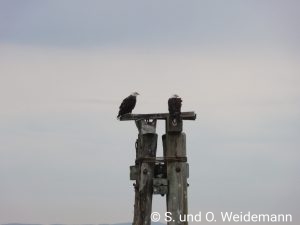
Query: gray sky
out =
(65, 66)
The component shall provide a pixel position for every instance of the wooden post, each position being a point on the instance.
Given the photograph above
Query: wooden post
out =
(145, 149)
(174, 145)
(174, 181)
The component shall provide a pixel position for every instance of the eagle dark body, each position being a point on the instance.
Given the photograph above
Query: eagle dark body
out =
(174, 104)
(127, 105)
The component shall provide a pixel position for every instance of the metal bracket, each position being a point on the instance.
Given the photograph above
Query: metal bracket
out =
(133, 172)
(160, 186)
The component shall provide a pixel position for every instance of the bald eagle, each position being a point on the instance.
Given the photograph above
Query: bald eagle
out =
(127, 104)
(174, 104)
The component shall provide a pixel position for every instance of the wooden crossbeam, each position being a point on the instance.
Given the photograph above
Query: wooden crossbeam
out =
(157, 116)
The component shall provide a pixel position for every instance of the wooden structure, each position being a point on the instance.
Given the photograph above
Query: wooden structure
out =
(165, 175)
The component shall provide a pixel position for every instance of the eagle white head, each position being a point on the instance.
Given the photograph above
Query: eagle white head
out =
(135, 94)
(175, 96)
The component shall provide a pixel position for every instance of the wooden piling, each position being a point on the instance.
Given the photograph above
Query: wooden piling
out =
(146, 148)
(174, 181)
(174, 145)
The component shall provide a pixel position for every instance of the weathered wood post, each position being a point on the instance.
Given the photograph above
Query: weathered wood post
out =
(160, 175)
(143, 171)
(174, 145)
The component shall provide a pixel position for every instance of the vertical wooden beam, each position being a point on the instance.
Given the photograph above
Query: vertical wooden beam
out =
(174, 144)
(146, 147)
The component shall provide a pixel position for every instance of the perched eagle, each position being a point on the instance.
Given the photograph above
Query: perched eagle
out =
(174, 104)
(128, 104)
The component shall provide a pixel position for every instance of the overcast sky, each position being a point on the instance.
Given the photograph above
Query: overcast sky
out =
(65, 66)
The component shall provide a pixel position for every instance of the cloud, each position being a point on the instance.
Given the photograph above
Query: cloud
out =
(132, 23)
(57, 151)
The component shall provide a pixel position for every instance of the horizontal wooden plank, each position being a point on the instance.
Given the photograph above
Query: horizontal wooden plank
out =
(157, 116)
(161, 159)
